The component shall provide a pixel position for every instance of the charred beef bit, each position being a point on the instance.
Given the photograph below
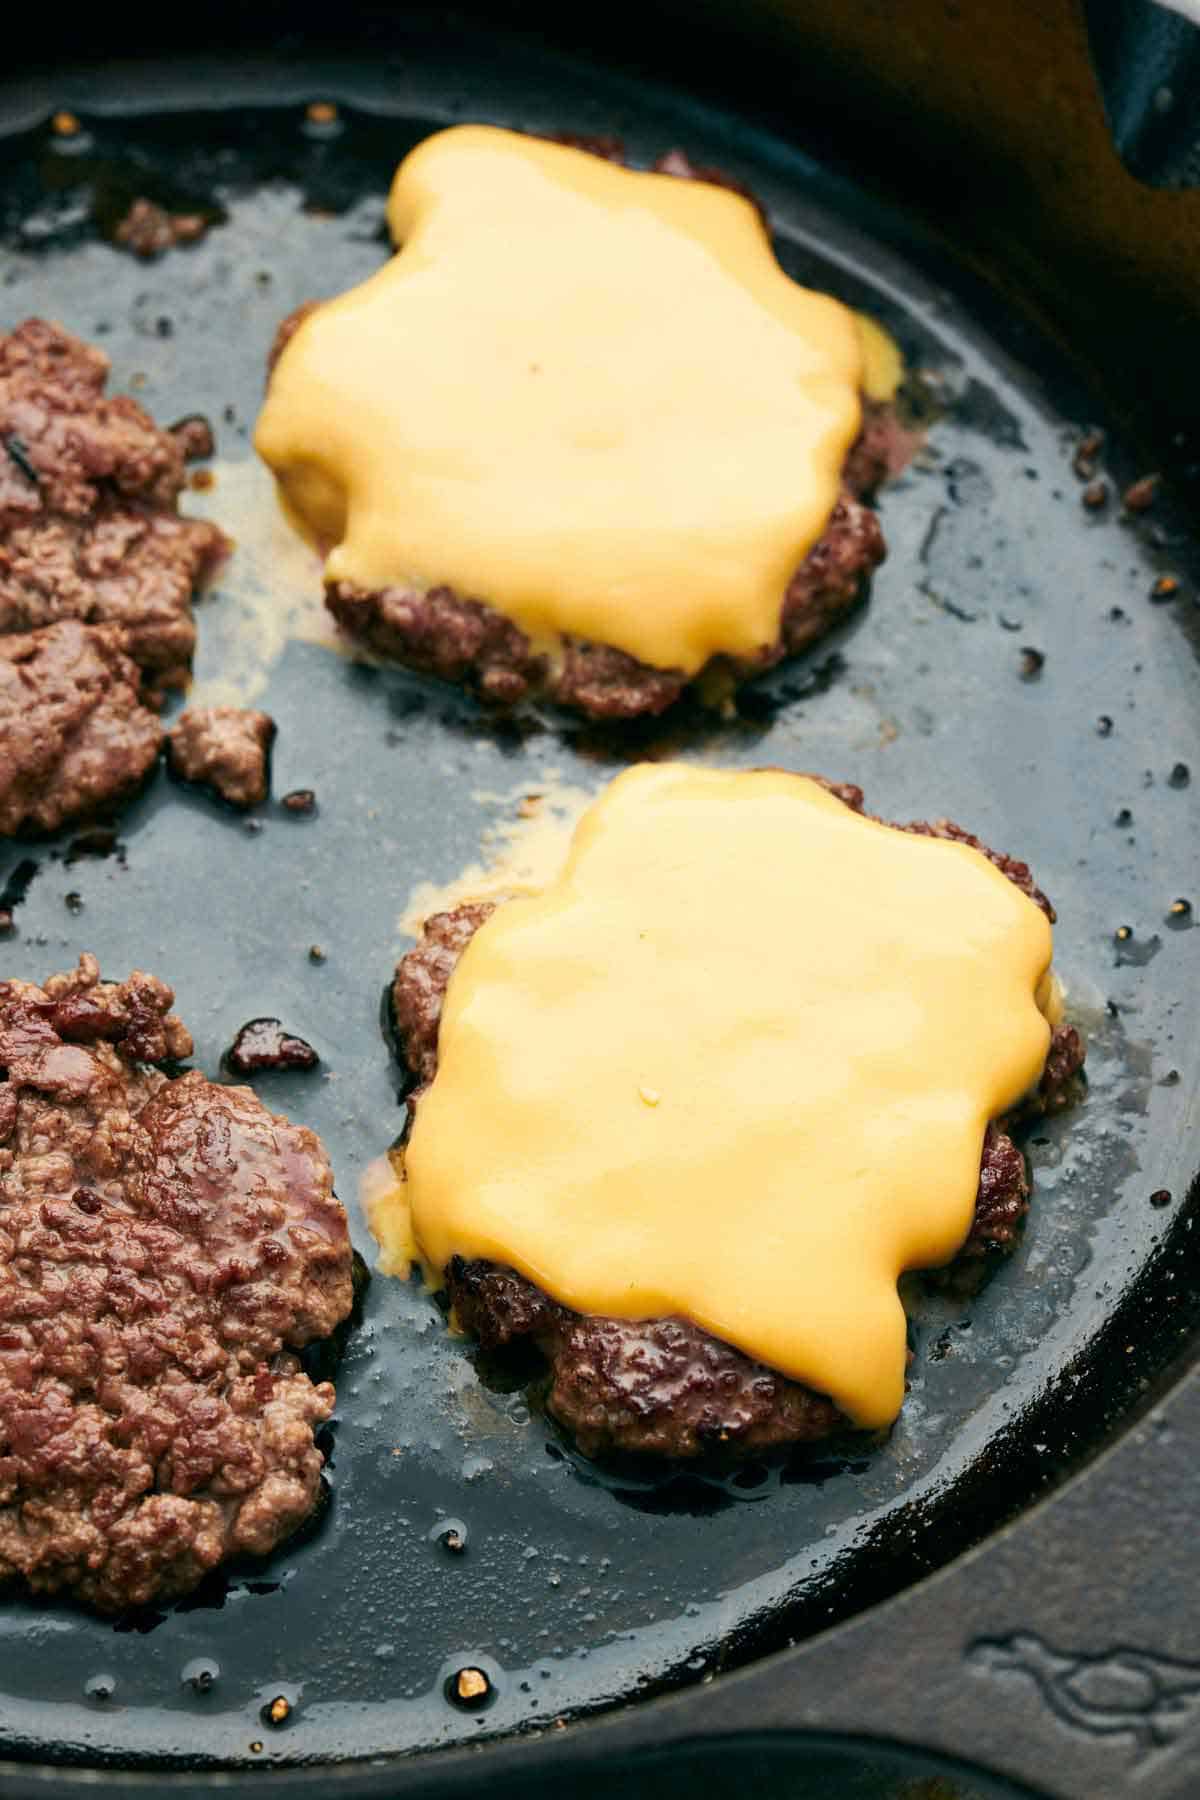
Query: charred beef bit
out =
(167, 1244)
(194, 436)
(74, 737)
(225, 748)
(264, 1044)
(1140, 495)
(463, 639)
(89, 527)
(148, 229)
(664, 1387)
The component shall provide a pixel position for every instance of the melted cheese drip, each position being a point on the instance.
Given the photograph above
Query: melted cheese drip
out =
(587, 395)
(735, 1064)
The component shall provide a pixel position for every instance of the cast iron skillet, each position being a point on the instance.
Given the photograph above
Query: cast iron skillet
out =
(1011, 671)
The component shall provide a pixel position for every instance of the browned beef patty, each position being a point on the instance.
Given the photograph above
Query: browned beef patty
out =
(462, 639)
(89, 526)
(74, 736)
(225, 748)
(664, 1387)
(165, 1245)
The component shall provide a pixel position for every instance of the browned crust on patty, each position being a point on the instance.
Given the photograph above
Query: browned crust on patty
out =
(74, 735)
(165, 1246)
(664, 1387)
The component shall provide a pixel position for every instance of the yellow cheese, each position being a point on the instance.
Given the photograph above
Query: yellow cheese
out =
(735, 1063)
(587, 395)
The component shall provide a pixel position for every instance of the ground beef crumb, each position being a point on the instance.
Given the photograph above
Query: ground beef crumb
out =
(225, 748)
(264, 1044)
(664, 1387)
(149, 230)
(166, 1246)
(74, 737)
(89, 526)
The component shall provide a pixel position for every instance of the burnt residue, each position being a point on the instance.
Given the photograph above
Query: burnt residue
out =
(263, 1044)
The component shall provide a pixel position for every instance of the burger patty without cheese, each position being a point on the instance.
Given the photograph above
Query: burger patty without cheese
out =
(665, 1387)
(89, 488)
(97, 571)
(166, 1245)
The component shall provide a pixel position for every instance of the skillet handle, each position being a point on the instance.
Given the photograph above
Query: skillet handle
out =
(1147, 61)
(1063, 1653)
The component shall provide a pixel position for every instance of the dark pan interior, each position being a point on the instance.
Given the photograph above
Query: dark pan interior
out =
(1010, 671)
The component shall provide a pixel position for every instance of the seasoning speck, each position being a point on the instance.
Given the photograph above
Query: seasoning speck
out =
(1161, 1197)
(315, 953)
(73, 902)
(1123, 933)
(651, 1095)
(1032, 662)
(1179, 916)
(469, 1688)
(1095, 495)
(6, 920)
(1165, 588)
(1180, 776)
(1104, 726)
(301, 801)
(321, 112)
(64, 124)
(277, 1711)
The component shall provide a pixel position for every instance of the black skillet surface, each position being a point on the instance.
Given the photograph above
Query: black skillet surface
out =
(1011, 671)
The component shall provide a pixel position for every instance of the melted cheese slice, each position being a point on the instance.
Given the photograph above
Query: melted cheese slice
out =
(735, 1064)
(586, 395)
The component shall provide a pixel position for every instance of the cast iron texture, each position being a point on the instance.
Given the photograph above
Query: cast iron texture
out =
(579, 1589)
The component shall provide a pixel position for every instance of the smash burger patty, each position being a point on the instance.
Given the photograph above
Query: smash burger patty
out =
(461, 638)
(664, 1386)
(165, 1246)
